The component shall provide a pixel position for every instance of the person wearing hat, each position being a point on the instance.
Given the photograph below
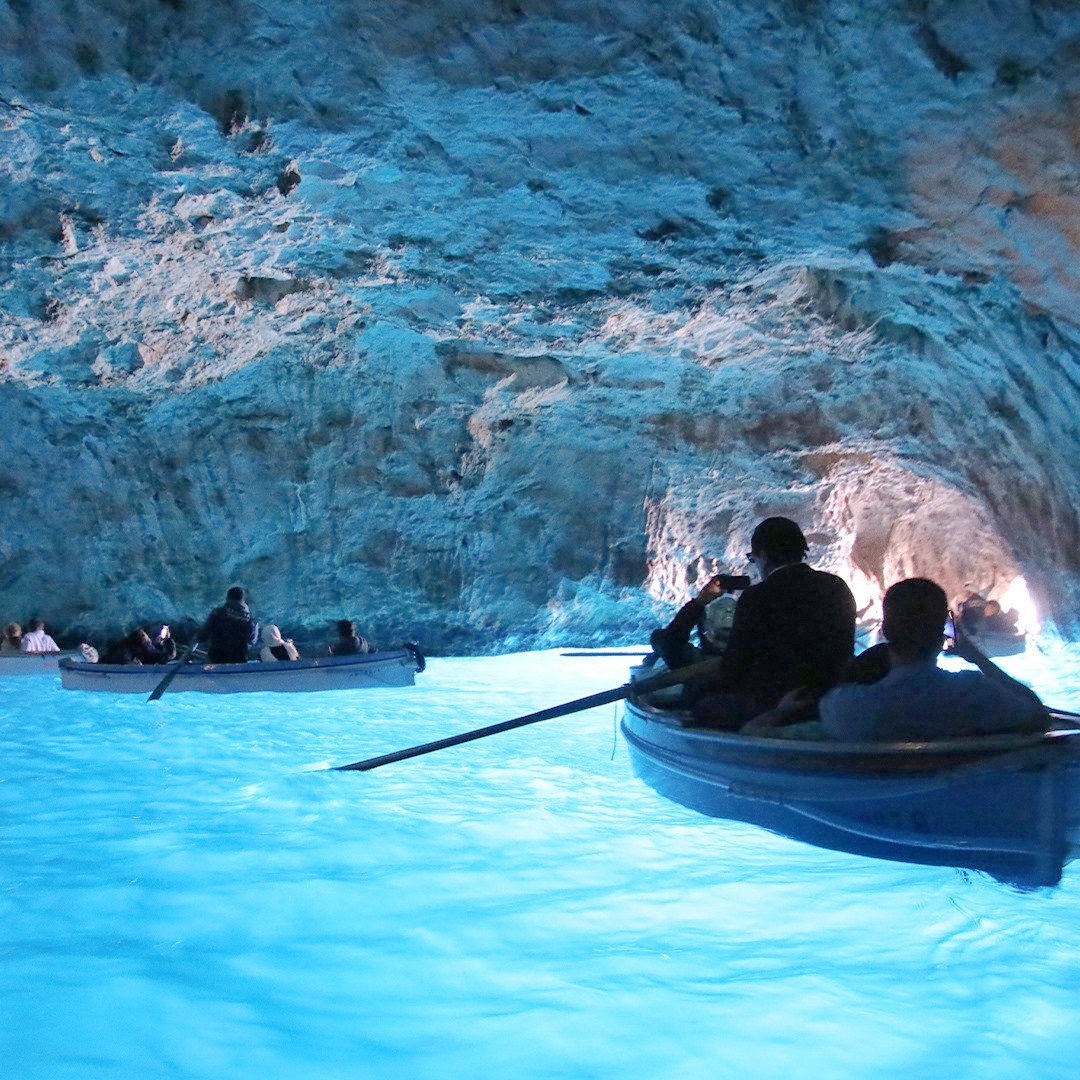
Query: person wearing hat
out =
(796, 628)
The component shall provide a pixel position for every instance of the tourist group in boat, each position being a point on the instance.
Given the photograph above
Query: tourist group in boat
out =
(785, 665)
(34, 640)
(230, 635)
(781, 652)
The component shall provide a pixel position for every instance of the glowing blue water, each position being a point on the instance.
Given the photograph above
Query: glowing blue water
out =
(181, 898)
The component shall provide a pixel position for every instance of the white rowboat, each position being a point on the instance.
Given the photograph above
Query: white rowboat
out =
(363, 671)
(33, 663)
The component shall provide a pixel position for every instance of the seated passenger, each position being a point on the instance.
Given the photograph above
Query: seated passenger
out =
(970, 612)
(275, 647)
(348, 643)
(229, 630)
(12, 642)
(917, 700)
(162, 640)
(144, 649)
(794, 629)
(118, 651)
(996, 621)
(37, 641)
(712, 612)
(796, 714)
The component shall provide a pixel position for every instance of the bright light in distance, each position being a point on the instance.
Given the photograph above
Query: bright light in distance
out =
(867, 595)
(1017, 598)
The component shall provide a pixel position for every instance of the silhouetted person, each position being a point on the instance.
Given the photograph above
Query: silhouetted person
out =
(711, 613)
(917, 700)
(794, 629)
(13, 636)
(349, 642)
(229, 630)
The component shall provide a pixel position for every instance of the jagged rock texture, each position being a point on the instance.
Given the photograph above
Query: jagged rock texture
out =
(499, 324)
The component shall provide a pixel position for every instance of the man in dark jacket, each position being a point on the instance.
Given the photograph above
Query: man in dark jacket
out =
(796, 628)
(230, 630)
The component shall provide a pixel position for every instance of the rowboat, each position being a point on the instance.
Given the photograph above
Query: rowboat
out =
(364, 671)
(1003, 804)
(33, 663)
(999, 644)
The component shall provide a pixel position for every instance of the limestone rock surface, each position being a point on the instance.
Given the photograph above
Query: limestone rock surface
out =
(499, 324)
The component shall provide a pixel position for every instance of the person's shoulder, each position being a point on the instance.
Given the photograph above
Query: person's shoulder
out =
(965, 679)
(834, 581)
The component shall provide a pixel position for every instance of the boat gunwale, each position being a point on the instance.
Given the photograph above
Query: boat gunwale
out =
(956, 750)
(248, 667)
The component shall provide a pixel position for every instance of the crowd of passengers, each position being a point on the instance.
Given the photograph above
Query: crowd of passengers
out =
(229, 635)
(231, 631)
(34, 640)
(781, 656)
(788, 666)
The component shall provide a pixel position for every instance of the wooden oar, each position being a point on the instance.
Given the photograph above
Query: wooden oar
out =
(171, 673)
(609, 652)
(641, 686)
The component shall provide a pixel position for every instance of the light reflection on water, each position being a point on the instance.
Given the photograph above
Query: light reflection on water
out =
(180, 897)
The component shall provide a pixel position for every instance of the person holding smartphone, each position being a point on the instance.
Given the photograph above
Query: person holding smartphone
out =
(796, 628)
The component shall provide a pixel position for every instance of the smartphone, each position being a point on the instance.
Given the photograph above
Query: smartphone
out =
(734, 582)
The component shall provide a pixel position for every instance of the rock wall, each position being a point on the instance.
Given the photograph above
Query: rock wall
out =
(500, 324)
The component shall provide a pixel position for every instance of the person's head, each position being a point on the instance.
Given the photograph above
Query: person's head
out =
(346, 628)
(138, 637)
(913, 618)
(779, 541)
(235, 595)
(12, 631)
(37, 624)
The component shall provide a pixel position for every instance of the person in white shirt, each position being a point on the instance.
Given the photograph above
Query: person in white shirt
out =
(36, 640)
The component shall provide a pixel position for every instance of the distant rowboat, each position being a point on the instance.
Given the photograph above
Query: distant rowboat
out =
(363, 671)
(33, 663)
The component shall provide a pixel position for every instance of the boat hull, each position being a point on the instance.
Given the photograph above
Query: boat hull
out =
(1004, 805)
(1001, 644)
(365, 671)
(33, 663)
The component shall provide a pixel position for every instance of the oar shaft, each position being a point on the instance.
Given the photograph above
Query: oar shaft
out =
(482, 733)
(162, 686)
(605, 697)
(597, 655)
